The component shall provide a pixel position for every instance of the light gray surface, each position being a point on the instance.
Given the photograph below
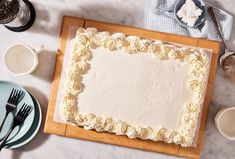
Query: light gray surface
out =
(46, 31)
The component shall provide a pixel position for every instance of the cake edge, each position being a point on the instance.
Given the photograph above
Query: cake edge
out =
(81, 54)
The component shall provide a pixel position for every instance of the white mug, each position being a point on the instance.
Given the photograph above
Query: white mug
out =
(20, 59)
(225, 122)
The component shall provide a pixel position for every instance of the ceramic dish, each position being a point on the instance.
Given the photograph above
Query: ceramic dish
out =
(33, 129)
(18, 132)
(224, 121)
(200, 4)
(20, 59)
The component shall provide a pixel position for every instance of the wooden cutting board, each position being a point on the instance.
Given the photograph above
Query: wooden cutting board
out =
(53, 127)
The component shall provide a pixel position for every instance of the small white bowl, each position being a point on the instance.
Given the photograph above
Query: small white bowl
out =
(225, 122)
(20, 59)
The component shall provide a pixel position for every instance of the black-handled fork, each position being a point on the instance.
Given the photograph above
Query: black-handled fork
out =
(11, 103)
(18, 120)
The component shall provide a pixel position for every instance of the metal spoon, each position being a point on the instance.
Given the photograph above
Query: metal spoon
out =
(227, 58)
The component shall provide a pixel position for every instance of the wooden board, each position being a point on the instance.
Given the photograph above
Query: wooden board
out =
(53, 127)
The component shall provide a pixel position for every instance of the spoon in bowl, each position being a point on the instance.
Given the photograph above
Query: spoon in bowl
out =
(227, 58)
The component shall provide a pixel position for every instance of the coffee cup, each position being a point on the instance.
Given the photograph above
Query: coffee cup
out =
(21, 59)
(224, 121)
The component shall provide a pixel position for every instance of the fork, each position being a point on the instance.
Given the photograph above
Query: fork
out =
(11, 103)
(18, 120)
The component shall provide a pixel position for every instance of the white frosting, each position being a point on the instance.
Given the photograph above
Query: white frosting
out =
(189, 13)
(130, 87)
(134, 87)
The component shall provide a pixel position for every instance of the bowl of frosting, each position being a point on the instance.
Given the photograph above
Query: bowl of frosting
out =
(190, 13)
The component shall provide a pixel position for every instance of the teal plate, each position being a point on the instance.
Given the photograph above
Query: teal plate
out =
(33, 129)
(20, 131)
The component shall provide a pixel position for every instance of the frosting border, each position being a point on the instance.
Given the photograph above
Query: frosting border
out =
(87, 39)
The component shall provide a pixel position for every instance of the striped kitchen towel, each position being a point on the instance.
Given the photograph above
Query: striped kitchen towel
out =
(159, 16)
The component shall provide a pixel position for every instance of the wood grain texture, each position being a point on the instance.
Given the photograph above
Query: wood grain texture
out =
(103, 26)
(104, 137)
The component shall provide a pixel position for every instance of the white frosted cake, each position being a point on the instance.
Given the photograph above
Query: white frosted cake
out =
(136, 87)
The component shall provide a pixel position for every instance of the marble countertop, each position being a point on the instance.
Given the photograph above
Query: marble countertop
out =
(46, 31)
